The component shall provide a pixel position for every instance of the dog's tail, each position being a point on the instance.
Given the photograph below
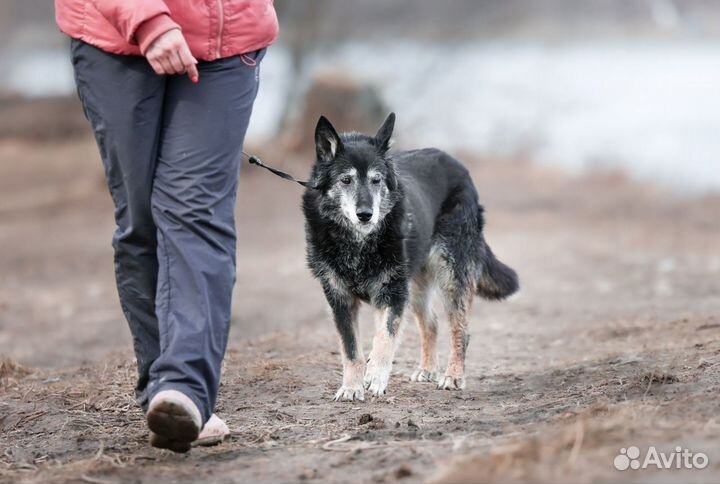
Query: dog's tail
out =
(497, 281)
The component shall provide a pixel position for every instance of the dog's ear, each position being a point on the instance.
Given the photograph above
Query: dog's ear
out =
(327, 141)
(391, 178)
(382, 138)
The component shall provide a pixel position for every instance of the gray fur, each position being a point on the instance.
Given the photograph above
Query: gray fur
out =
(377, 225)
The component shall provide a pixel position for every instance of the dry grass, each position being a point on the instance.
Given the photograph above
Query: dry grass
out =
(589, 358)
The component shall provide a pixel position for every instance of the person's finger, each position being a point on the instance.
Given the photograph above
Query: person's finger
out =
(193, 73)
(157, 67)
(189, 62)
(174, 58)
(166, 65)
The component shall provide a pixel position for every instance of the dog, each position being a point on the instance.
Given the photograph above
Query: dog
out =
(391, 230)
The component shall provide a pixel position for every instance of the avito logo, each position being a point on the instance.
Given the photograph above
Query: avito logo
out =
(629, 458)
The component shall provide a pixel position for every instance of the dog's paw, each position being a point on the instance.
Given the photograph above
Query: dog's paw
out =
(376, 379)
(451, 383)
(423, 376)
(350, 394)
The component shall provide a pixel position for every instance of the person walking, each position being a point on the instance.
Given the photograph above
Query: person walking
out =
(168, 87)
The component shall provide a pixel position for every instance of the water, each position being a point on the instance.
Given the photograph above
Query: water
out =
(35, 73)
(652, 110)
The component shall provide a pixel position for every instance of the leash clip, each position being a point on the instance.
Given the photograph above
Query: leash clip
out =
(254, 160)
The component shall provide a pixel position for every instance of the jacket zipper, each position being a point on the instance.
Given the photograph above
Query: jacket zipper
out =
(221, 26)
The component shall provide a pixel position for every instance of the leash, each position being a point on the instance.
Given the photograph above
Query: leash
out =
(254, 160)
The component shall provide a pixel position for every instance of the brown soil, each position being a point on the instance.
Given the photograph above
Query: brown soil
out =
(613, 342)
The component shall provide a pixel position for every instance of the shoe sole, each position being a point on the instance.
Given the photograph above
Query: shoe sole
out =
(160, 442)
(173, 426)
(209, 441)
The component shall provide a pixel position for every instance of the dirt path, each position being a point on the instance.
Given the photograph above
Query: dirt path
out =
(613, 342)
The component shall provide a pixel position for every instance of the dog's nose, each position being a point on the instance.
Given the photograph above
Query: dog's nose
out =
(364, 214)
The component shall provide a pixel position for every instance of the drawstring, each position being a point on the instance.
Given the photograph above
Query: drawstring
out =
(248, 61)
(254, 160)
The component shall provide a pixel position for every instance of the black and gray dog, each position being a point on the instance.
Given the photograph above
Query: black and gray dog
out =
(389, 229)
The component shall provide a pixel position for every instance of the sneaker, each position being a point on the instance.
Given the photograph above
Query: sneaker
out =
(174, 421)
(213, 433)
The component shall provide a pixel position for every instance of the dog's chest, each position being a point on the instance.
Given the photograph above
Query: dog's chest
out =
(362, 271)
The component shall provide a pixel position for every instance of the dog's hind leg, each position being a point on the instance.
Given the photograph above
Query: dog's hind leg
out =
(421, 302)
(345, 314)
(458, 302)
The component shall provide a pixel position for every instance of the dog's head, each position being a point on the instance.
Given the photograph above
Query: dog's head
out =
(355, 176)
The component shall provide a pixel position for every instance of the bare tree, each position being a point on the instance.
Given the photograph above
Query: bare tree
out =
(301, 23)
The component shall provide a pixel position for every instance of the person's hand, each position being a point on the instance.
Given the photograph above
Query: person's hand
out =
(169, 54)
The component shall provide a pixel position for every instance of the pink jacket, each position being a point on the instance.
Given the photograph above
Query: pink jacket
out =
(212, 28)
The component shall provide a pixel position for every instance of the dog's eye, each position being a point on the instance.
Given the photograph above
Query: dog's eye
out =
(346, 180)
(375, 180)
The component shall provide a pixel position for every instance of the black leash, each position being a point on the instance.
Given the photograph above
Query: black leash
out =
(254, 160)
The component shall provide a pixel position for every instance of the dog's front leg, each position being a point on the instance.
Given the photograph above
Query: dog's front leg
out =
(387, 328)
(390, 302)
(345, 309)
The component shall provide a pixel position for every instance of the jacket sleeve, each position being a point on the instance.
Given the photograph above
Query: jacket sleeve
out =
(139, 22)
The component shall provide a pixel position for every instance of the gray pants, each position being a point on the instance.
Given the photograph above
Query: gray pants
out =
(171, 152)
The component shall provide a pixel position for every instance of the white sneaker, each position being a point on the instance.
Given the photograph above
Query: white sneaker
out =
(213, 433)
(174, 421)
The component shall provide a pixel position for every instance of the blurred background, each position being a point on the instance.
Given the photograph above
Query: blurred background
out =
(607, 107)
(591, 84)
(590, 128)
(567, 112)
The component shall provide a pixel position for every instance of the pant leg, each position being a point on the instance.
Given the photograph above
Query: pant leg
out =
(193, 203)
(123, 100)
